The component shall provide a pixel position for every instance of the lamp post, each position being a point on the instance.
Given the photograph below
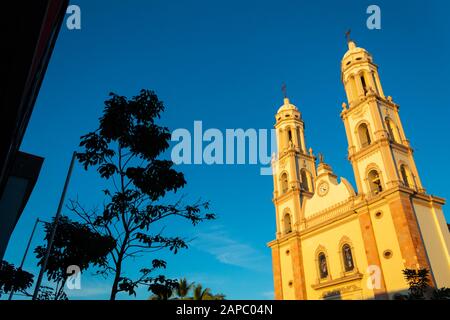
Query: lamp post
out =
(55, 225)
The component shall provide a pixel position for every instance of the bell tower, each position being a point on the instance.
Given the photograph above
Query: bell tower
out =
(293, 169)
(378, 148)
(293, 178)
(382, 157)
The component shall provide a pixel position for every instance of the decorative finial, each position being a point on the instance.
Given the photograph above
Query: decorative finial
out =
(284, 89)
(321, 158)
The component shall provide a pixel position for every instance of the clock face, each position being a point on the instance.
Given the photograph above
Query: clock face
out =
(323, 188)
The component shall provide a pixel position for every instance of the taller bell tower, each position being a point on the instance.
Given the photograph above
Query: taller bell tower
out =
(385, 170)
(378, 148)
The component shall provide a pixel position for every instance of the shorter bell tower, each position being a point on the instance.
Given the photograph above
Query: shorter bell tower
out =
(293, 177)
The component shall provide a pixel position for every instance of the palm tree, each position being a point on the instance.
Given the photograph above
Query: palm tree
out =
(201, 294)
(183, 288)
(218, 296)
(418, 282)
(181, 292)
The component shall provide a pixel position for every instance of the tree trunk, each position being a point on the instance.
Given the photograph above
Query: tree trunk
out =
(115, 289)
(123, 247)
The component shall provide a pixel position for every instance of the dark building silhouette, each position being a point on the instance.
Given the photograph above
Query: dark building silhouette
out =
(28, 34)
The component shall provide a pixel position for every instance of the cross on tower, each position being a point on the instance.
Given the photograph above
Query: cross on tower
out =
(347, 34)
(284, 89)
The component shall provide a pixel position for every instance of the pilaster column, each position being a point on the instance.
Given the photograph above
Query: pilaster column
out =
(302, 139)
(392, 177)
(400, 126)
(277, 278)
(358, 180)
(297, 270)
(369, 76)
(414, 170)
(379, 130)
(293, 174)
(371, 249)
(351, 146)
(295, 138)
(380, 88)
(349, 90)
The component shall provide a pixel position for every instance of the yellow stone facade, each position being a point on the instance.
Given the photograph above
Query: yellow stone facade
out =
(333, 242)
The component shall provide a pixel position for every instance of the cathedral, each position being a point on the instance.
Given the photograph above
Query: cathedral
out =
(335, 242)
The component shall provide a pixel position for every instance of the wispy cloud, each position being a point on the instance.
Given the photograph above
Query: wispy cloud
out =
(268, 295)
(207, 278)
(93, 290)
(230, 251)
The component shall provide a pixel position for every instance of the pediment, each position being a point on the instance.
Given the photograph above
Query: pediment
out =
(328, 193)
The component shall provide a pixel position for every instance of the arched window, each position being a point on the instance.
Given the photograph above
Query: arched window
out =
(363, 83)
(284, 183)
(305, 180)
(393, 131)
(347, 258)
(323, 267)
(406, 176)
(287, 223)
(374, 182)
(364, 135)
(289, 135)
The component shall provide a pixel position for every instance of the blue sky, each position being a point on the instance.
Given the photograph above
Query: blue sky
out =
(223, 62)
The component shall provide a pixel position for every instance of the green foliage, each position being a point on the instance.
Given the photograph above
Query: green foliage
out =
(418, 282)
(125, 151)
(419, 286)
(441, 294)
(180, 291)
(74, 244)
(49, 293)
(200, 293)
(218, 296)
(183, 288)
(13, 279)
(162, 288)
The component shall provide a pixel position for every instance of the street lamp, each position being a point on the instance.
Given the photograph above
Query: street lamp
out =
(55, 225)
(26, 252)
